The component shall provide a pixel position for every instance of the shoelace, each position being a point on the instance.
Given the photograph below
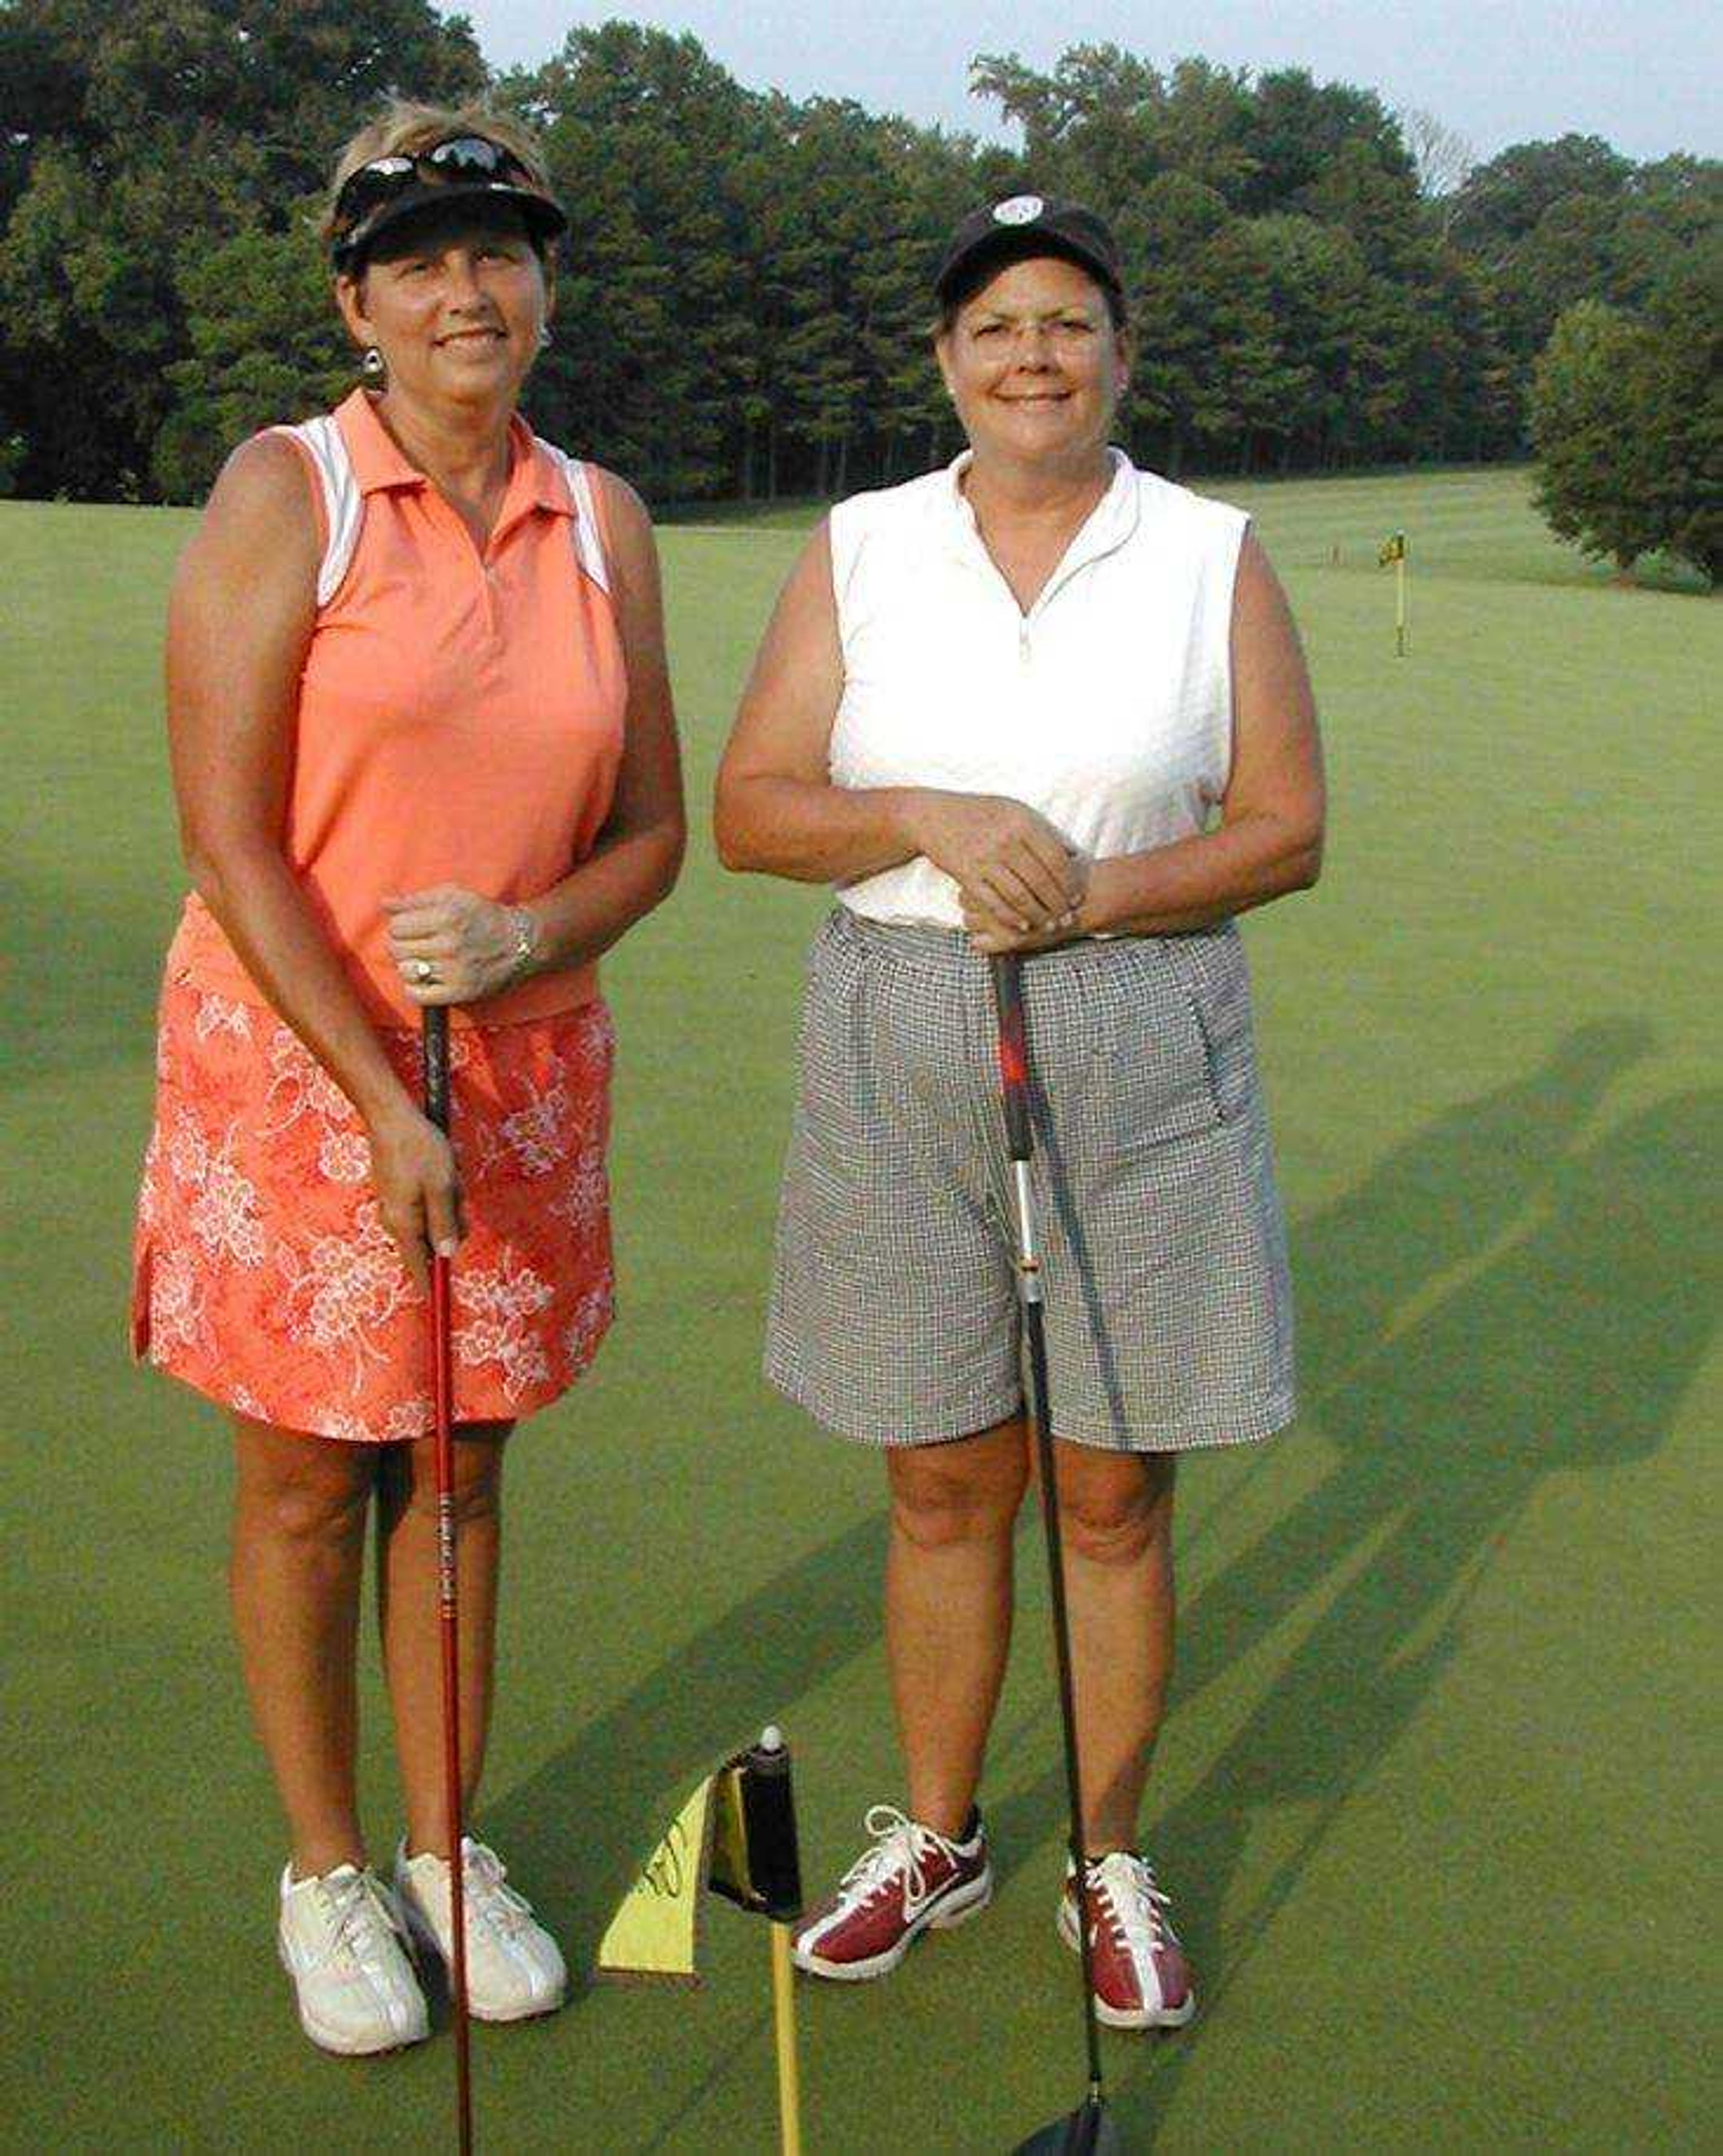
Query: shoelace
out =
(361, 1921)
(1134, 1909)
(494, 1902)
(899, 1845)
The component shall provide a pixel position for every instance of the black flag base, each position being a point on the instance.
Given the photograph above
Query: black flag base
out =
(1088, 2130)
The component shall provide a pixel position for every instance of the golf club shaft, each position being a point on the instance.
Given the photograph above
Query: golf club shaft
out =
(1035, 1332)
(1019, 1130)
(437, 1109)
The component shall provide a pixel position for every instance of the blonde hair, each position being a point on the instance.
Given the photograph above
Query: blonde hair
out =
(403, 128)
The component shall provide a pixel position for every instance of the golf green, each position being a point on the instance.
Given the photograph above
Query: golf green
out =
(1432, 1798)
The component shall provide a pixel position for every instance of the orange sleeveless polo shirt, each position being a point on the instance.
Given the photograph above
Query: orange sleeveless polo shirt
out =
(459, 721)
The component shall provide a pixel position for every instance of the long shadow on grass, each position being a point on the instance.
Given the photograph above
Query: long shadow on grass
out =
(1491, 1305)
(1569, 1348)
(583, 1822)
(1431, 1206)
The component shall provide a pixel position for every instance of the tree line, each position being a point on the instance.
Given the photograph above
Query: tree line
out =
(1627, 416)
(743, 304)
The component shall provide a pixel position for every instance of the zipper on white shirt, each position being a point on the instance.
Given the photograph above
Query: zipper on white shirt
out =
(1062, 577)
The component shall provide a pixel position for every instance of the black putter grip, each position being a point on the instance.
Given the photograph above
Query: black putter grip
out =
(435, 1063)
(1013, 1051)
(769, 1814)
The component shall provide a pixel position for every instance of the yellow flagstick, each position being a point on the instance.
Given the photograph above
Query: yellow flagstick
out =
(1393, 549)
(735, 1835)
(783, 2006)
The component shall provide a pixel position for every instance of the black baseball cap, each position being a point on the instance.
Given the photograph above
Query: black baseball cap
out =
(1025, 225)
(388, 190)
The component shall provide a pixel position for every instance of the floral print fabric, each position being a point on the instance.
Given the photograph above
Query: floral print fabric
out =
(264, 1276)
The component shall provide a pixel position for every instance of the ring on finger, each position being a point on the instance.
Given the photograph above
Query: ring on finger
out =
(424, 972)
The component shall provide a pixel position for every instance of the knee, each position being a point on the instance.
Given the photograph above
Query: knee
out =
(1117, 1519)
(313, 1508)
(935, 1508)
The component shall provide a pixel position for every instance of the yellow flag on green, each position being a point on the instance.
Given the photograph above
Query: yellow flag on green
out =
(1393, 549)
(735, 1835)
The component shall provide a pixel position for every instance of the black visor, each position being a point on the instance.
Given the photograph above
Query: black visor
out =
(465, 168)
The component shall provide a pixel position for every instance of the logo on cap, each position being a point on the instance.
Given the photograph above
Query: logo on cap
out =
(1020, 209)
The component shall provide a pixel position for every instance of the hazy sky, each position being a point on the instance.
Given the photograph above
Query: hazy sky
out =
(1647, 79)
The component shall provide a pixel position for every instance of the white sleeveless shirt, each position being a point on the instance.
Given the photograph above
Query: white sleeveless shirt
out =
(1108, 706)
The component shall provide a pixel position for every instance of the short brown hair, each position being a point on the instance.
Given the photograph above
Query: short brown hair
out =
(403, 128)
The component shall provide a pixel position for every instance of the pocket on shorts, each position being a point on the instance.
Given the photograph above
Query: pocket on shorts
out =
(825, 1137)
(1211, 976)
(1163, 1076)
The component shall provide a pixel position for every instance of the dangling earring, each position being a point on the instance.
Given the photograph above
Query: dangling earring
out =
(544, 336)
(373, 367)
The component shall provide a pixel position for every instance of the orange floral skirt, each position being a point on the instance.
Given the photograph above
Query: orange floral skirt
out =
(263, 1276)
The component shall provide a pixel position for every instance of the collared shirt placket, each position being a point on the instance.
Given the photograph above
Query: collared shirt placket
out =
(1102, 533)
(511, 515)
(488, 574)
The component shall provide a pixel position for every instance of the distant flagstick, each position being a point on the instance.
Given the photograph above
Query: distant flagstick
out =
(1394, 550)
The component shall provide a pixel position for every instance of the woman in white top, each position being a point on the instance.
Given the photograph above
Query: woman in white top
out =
(1041, 702)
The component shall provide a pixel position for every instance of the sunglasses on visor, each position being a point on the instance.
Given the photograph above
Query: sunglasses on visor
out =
(462, 160)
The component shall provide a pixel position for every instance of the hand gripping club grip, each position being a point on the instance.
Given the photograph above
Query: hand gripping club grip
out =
(1013, 1051)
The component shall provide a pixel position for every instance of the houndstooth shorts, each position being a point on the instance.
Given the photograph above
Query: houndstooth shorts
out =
(893, 1315)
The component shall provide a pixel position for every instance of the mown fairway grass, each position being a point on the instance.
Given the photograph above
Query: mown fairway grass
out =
(1434, 1796)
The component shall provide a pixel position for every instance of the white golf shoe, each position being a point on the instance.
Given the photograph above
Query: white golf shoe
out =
(514, 1968)
(342, 1942)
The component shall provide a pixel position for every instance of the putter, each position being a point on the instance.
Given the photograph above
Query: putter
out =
(1091, 2127)
(436, 1091)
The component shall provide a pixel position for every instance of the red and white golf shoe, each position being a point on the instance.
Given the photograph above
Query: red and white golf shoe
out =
(911, 1880)
(1138, 1968)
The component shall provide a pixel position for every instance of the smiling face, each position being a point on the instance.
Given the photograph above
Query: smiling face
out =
(454, 303)
(1034, 365)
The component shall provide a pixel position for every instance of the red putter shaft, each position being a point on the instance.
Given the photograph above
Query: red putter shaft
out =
(437, 1110)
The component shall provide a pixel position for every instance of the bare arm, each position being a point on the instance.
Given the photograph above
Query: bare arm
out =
(1268, 841)
(777, 811)
(239, 617)
(634, 863)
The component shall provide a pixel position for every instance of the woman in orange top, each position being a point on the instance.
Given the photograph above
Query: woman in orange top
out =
(424, 753)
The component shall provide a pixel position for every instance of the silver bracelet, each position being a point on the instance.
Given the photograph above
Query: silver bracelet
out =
(524, 924)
